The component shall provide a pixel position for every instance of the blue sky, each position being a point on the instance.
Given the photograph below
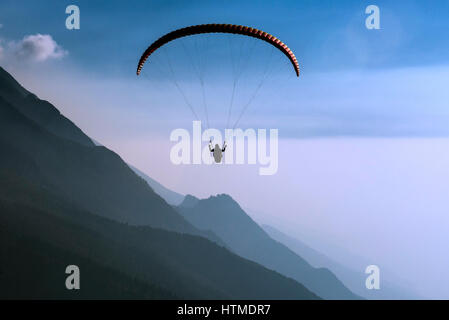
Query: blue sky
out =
(113, 32)
(363, 151)
(328, 37)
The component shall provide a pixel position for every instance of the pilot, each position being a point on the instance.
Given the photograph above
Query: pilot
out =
(217, 152)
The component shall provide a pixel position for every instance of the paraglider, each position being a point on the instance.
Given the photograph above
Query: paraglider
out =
(215, 56)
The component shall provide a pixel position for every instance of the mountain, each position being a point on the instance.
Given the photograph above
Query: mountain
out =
(33, 265)
(189, 201)
(315, 258)
(64, 202)
(355, 280)
(223, 216)
(41, 111)
(42, 233)
(89, 175)
(168, 195)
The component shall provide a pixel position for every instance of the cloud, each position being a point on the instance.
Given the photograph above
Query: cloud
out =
(38, 47)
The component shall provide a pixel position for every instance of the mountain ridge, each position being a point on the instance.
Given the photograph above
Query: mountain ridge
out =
(224, 216)
(172, 197)
(42, 112)
(65, 202)
(353, 279)
(87, 174)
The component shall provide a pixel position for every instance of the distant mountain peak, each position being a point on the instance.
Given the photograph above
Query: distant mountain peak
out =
(226, 201)
(189, 201)
(220, 200)
(223, 196)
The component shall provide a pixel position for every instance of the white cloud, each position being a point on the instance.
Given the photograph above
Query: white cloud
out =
(38, 47)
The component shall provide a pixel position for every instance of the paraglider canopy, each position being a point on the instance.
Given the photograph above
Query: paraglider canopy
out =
(219, 28)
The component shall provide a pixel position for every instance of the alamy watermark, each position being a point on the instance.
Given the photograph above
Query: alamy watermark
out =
(373, 280)
(373, 20)
(72, 22)
(193, 149)
(72, 282)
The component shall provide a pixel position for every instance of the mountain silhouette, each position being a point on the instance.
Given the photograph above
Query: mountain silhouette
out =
(172, 198)
(223, 216)
(354, 280)
(40, 111)
(65, 201)
(88, 175)
(41, 229)
(189, 201)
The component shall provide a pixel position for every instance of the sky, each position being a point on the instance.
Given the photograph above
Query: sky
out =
(364, 130)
